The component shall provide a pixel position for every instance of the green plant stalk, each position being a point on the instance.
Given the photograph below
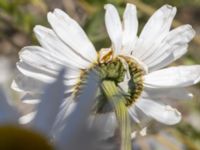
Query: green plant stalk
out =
(117, 101)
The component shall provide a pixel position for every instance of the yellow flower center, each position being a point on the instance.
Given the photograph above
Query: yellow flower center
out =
(113, 69)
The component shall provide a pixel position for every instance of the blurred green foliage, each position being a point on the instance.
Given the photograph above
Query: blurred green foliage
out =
(17, 17)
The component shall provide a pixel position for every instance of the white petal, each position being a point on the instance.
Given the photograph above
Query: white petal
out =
(134, 114)
(36, 85)
(180, 35)
(160, 21)
(55, 47)
(167, 93)
(143, 132)
(76, 120)
(154, 31)
(66, 109)
(162, 113)
(38, 67)
(114, 27)
(133, 135)
(20, 84)
(28, 118)
(104, 124)
(130, 28)
(31, 98)
(178, 51)
(72, 35)
(48, 109)
(138, 117)
(8, 114)
(181, 76)
(38, 59)
(35, 55)
(36, 71)
(174, 45)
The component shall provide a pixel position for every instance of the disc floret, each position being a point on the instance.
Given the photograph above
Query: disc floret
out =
(115, 69)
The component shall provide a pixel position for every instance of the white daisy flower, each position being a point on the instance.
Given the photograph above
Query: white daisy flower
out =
(130, 71)
(38, 134)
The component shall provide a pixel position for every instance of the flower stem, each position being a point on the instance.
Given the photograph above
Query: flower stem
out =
(117, 101)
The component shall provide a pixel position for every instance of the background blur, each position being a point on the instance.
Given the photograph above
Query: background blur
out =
(18, 17)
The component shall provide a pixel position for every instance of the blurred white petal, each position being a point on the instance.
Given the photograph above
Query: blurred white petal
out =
(143, 132)
(5, 67)
(8, 114)
(30, 98)
(162, 113)
(49, 106)
(104, 124)
(77, 119)
(28, 118)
